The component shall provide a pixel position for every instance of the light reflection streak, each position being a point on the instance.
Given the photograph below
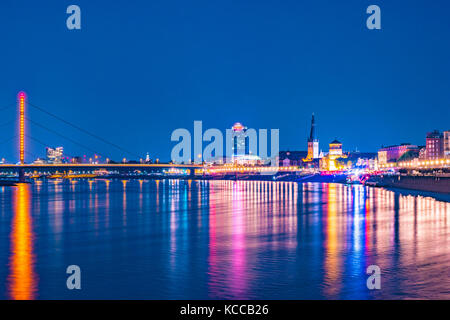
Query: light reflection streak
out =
(124, 202)
(238, 243)
(332, 257)
(212, 258)
(141, 196)
(107, 204)
(22, 283)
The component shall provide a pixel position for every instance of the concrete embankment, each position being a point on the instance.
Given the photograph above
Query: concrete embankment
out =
(420, 183)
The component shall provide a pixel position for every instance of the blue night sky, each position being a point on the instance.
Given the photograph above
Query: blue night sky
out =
(137, 70)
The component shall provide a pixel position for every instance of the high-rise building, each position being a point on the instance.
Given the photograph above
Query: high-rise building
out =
(54, 155)
(434, 145)
(446, 143)
(313, 142)
(147, 158)
(242, 151)
(240, 140)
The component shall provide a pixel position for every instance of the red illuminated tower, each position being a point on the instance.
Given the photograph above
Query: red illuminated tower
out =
(22, 127)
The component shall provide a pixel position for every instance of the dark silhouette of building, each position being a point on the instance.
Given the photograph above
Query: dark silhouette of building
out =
(313, 142)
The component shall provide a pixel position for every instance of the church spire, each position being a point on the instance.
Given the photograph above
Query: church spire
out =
(313, 142)
(312, 133)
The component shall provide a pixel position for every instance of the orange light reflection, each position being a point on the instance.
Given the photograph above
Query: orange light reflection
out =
(22, 280)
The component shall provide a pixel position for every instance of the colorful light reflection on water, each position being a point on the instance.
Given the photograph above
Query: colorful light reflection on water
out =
(22, 279)
(173, 239)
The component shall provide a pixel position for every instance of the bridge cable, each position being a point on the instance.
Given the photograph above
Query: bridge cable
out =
(83, 130)
(7, 123)
(31, 154)
(44, 144)
(67, 138)
(7, 140)
(7, 107)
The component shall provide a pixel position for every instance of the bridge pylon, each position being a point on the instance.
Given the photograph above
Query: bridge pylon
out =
(21, 102)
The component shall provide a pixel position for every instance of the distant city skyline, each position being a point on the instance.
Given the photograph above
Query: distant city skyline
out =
(312, 147)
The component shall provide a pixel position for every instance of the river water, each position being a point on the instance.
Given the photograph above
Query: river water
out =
(175, 239)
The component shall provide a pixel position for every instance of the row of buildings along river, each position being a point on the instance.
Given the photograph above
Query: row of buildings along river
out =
(434, 154)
